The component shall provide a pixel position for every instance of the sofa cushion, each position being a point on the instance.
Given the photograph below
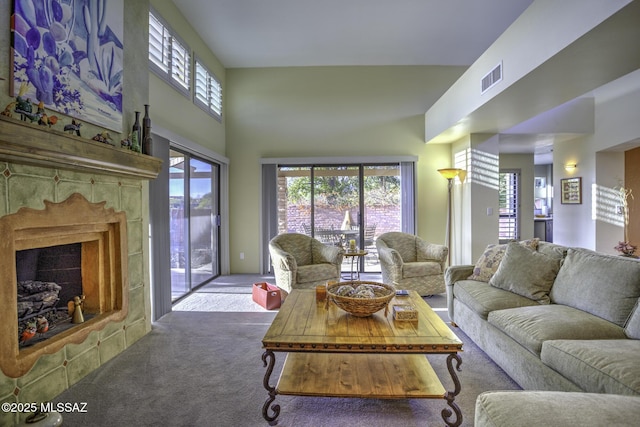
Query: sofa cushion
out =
(555, 409)
(316, 272)
(526, 272)
(419, 269)
(488, 263)
(483, 298)
(596, 366)
(533, 325)
(605, 285)
(632, 328)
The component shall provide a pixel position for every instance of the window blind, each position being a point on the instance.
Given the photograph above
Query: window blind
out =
(158, 44)
(509, 207)
(180, 60)
(208, 91)
(169, 57)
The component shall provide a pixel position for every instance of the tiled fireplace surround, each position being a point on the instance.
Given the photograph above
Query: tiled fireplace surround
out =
(29, 177)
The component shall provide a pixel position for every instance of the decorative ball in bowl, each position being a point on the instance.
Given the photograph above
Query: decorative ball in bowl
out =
(361, 298)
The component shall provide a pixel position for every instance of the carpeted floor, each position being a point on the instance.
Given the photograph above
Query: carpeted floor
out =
(204, 368)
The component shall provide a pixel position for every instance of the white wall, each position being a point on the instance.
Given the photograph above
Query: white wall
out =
(533, 52)
(476, 200)
(600, 163)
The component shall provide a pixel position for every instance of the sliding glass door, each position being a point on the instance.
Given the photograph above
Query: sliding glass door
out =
(339, 203)
(336, 204)
(194, 222)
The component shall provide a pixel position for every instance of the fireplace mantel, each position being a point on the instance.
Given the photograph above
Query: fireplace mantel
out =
(27, 143)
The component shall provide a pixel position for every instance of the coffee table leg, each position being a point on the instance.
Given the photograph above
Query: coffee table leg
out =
(268, 354)
(451, 395)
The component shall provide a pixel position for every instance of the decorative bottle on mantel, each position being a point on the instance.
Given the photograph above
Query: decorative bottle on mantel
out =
(146, 132)
(136, 135)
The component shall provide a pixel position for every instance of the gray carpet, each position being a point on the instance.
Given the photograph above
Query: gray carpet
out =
(204, 368)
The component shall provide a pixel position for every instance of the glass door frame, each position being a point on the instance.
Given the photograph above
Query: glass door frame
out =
(269, 205)
(332, 232)
(188, 157)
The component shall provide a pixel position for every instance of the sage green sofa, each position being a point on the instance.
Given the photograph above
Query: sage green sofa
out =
(555, 409)
(302, 262)
(408, 262)
(553, 318)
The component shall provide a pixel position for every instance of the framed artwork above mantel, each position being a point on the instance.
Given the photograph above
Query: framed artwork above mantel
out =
(571, 191)
(67, 56)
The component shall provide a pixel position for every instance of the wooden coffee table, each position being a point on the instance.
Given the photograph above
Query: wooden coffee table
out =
(331, 353)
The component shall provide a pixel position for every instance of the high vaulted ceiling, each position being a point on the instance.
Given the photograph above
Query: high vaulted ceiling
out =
(284, 33)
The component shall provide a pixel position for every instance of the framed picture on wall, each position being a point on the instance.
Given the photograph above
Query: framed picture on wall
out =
(67, 56)
(571, 191)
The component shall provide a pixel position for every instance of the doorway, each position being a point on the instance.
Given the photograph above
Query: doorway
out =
(337, 204)
(194, 205)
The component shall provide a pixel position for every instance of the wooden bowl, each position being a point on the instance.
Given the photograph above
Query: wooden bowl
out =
(362, 307)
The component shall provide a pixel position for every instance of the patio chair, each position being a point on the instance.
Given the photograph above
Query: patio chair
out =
(369, 236)
(329, 236)
(302, 262)
(408, 262)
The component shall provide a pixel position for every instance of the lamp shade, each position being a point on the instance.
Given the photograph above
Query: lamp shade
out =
(449, 173)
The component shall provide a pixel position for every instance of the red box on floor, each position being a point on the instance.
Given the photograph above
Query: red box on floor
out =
(266, 295)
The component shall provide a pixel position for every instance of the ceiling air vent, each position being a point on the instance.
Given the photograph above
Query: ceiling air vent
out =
(491, 78)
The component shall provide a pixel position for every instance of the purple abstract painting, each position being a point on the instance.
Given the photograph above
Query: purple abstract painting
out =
(67, 54)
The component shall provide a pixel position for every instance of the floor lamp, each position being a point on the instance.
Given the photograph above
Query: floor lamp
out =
(449, 174)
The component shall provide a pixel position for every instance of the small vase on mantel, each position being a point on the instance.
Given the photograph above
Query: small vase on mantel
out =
(146, 132)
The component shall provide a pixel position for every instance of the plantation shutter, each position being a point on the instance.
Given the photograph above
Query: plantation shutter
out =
(509, 206)
(180, 61)
(216, 97)
(159, 43)
(201, 84)
(169, 56)
(208, 92)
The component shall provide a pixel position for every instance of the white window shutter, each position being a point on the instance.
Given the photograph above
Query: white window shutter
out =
(158, 44)
(509, 206)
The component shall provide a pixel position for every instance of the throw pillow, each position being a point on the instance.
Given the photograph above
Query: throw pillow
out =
(632, 328)
(526, 272)
(489, 261)
(607, 286)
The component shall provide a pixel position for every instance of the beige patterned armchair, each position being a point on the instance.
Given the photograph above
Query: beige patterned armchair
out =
(302, 262)
(408, 262)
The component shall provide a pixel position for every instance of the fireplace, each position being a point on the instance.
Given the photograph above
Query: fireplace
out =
(48, 280)
(98, 235)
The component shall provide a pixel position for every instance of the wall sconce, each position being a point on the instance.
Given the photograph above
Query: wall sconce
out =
(570, 167)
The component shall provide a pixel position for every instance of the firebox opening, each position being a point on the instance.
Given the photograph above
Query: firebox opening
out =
(100, 235)
(48, 280)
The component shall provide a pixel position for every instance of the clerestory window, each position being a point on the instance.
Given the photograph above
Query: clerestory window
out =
(169, 56)
(207, 91)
